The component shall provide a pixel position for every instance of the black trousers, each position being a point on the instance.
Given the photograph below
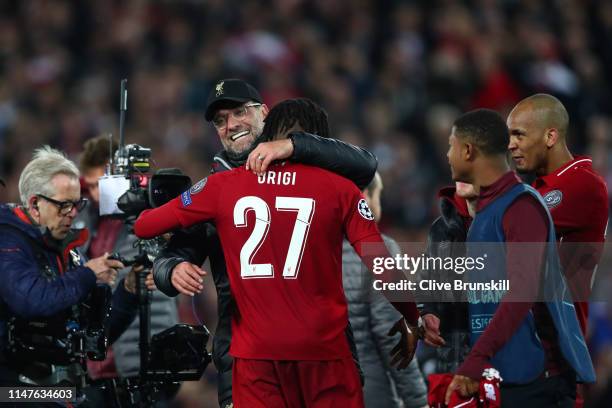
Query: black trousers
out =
(558, 391)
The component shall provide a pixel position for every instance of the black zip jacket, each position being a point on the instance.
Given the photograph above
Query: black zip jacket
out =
(446, 239)
(201, 241)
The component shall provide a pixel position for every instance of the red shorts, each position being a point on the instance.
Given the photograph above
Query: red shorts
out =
(293, 384)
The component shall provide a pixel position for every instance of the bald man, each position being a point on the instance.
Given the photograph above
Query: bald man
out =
(575, 194)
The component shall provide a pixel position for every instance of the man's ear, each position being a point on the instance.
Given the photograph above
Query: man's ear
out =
(33, 203)
(551, 137)
(264, 110)
(468, 151)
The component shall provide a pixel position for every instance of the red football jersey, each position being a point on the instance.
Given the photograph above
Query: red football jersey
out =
(577, 198)
(282, 239)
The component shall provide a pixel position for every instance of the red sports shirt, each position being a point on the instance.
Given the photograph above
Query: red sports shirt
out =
(577, 198)
(282, 239)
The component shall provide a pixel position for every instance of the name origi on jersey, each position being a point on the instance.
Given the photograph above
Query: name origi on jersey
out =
(284, 178)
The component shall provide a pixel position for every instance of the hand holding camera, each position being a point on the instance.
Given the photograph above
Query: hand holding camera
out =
(131, 280)
(105, 268)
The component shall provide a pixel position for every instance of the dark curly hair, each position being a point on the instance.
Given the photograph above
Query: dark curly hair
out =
(303, 112)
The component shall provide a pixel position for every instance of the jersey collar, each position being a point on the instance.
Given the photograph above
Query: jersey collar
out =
(580, 161)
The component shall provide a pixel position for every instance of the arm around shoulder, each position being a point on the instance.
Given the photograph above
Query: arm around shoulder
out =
(347, 160)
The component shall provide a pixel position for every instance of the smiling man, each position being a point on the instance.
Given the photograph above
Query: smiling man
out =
(289, 339)
(236, 110)
(575, 194)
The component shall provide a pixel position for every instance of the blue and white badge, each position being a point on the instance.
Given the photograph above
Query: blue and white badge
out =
(199, 186)
(186, 198)
(553, 198)
(364, 210)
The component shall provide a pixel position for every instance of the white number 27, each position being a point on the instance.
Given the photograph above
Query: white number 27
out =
(303, 206)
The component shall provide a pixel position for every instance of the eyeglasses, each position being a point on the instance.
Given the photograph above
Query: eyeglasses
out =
(239, 113)
(66, 207)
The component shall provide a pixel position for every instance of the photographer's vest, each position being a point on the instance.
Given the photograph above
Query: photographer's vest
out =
(523, 359)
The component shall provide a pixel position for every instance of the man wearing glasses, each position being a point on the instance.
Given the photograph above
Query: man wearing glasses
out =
(43, 274)
(237, 112)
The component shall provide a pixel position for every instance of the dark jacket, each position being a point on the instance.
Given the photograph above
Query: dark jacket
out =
(164, 313)
(202, 241)
(446, 238)
(30, 291)
(371, 317)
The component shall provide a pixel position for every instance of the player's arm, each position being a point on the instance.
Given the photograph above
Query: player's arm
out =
(372, 248)
(191, 207)
(344, 159)
(155, 222)
(581, 217)
(409, 384)
(362, 232)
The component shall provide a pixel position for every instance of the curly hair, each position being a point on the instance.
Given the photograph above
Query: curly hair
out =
(302, 112)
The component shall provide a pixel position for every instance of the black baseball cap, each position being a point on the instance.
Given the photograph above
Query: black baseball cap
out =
(233, 90)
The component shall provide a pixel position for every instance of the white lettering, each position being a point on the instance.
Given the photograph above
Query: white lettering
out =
(377, 269)
(415, 264)
(284, 178)
(427, 284)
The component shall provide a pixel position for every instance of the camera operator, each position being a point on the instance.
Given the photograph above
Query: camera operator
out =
(237, 111)
(44, 278)
(112, 235)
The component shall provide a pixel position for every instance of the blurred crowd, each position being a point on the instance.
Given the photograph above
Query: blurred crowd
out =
(393, 75)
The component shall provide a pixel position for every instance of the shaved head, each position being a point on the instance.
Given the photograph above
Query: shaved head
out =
(538, 129)
(546, 111)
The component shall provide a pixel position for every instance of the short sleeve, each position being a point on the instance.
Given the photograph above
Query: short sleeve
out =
(358, 217)
(580, 206)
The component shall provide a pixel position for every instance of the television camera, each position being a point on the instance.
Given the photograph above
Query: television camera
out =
(178, 353)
